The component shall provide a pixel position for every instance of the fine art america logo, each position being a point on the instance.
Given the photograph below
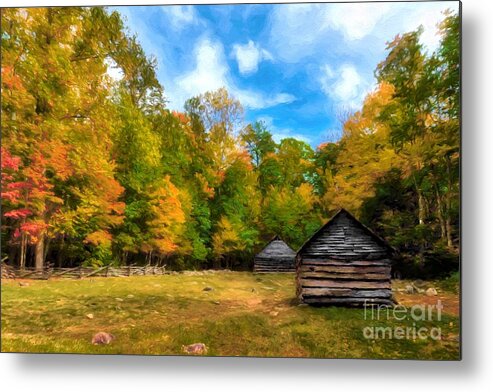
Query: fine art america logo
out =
(416, 314)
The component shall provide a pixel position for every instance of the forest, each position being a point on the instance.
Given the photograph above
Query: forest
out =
(98, 171)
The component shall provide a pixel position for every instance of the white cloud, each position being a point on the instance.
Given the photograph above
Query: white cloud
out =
(254, 100)
(299, 29)
(212, 72)
(349, 84)
(356, 20)
(428, 18)
(345, 86)
(285, 134)
(295, 31)
(302, 30)
(249, 56)
(282, 133)
(181, 15)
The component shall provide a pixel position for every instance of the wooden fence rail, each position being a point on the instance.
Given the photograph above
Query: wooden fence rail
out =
(81, 272)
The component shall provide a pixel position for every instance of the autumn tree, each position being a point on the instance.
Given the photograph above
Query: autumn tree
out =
(365, 154)
(60, 117)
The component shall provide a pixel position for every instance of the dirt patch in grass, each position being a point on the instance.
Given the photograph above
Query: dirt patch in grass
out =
(448, 295)
(450, 302)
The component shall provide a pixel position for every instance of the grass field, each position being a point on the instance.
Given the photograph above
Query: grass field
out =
(243, 315)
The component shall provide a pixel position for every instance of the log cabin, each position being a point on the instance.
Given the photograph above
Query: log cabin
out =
(344, 263)
(277, 256)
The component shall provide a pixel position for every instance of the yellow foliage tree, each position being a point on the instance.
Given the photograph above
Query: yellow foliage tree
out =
(167, 225)
(367, 154)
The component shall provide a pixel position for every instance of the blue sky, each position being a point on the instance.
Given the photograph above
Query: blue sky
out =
(297, 67)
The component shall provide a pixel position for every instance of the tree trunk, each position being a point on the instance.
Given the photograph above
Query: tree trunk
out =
(60, 252)
(22, 258)
(448, 223)
(449, 233)
(39, 255)
(421, 202)
(421, 217)
(421, 207)
(443, 229)
(12, 254)
(47, 247)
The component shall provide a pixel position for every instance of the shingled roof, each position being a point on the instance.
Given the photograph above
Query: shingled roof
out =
(277, 256)
(277, 248)
(345, 237)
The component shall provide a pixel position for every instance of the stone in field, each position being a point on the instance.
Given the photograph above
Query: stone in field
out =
(431, 292)
(195, 349)
(419, 283)
(102, 338)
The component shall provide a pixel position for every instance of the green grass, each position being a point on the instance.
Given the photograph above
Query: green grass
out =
(244, 315)
(451, 283)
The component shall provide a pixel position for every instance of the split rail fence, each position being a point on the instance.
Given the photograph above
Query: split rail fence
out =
(81, 272)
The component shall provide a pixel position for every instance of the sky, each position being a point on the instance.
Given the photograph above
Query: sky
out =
(298, 67)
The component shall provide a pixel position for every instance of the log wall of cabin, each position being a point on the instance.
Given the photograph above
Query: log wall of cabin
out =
(274, 265)
(333, 282)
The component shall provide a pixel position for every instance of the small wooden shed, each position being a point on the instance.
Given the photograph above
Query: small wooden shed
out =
(277, 256)
(344, 263)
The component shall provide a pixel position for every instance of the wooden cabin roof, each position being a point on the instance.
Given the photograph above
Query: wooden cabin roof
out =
(276, 249)
(345, 237)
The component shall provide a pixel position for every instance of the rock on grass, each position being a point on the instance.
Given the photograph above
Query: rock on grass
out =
(195, 349)
(431, 292)
(102, 338)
